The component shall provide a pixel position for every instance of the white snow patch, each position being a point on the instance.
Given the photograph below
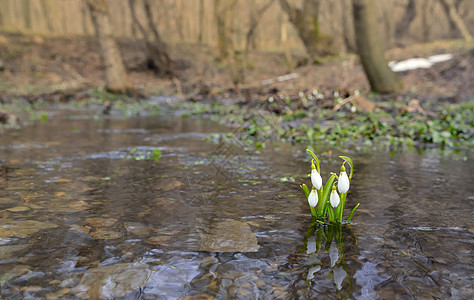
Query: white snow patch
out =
(418, 63)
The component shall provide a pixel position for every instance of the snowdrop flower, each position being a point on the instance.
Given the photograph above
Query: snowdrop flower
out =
(313, 198)
(316, 179)
(334, 199)
(343, 183)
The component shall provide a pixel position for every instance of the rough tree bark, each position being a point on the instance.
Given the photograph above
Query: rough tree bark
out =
(115, 74)
(158, 58)
(455, 19)
(381, 78)
(305, 20)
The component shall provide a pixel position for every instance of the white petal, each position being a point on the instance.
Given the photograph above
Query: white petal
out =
(316, 179)
(343, 183)
(334, 199)
(313, 198)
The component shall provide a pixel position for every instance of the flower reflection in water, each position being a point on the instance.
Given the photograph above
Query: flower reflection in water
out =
(324, 246)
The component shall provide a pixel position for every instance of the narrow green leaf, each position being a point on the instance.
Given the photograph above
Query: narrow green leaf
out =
(331, 214)
(305, 189)
(325, 197)
(352, 213)
(350, 162)
(316, 159)
(341, 207)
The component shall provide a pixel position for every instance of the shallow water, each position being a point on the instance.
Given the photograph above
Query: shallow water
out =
(81, 218)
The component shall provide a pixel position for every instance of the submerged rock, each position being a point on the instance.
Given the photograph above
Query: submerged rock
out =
(159, 240)
(105, 235)
(229, 235)
(137, 229)
(10, 250)
(22, 229)
(112, 281)
(18, 209)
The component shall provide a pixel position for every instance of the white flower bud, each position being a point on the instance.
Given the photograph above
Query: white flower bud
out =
(343, 183)
(334, 199)
(313, 198)
(316, 179)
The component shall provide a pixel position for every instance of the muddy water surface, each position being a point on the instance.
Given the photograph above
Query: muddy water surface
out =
(86, 211)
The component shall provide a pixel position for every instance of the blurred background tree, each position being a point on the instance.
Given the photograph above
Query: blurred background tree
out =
(115, 75)
(381, 78)
(194, 20)
(304, 30)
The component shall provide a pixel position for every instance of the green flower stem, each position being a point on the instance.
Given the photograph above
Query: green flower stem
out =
(320, 202)
(313, 212)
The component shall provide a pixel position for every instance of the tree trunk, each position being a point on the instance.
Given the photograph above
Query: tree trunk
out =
(305, 20)
(223, 11)
(455, 19)
(427, 9)
(115, 74)
(348, 27)
(179, 19)
(403, 25)
(26, 13)
(255, 18)
(381, 78)
(201, 22)
(46, 14)
(157, 50)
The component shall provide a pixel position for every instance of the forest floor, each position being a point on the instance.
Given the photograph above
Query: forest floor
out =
(37, 68)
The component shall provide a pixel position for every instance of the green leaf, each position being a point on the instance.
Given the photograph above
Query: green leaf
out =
(352, 213)
(325, 196)
(350, 162)
(305, 189)
(316, 159)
